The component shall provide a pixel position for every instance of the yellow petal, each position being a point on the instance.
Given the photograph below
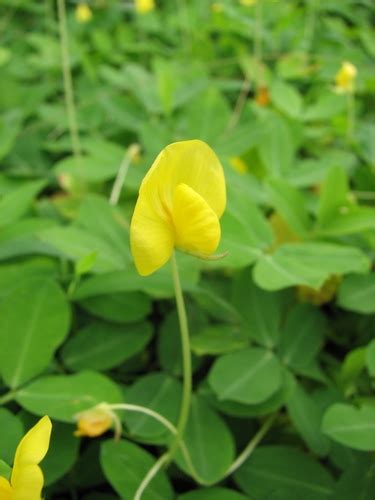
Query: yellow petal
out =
(187, 162)
(93, 422)
(197, 227)
(29, 483)
(5, 489)
(32, 448)
(151, 236)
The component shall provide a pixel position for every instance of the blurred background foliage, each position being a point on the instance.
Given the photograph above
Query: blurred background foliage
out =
(256, 80)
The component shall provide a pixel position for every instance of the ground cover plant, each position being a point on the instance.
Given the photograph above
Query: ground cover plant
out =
(280, 312)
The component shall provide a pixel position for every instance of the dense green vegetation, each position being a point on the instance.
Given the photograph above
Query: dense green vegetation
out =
(282, 328)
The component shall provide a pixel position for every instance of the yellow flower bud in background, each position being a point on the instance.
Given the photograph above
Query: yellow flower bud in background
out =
(180, 202)
(144, 6)
(83, 13)
(322, 296)
(345, 78)
(217, 7)
(248, 3)
(27, 480)
(238, 165)
(93, 422)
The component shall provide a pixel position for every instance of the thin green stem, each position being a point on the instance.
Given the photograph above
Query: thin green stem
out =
(252, 444)
(186, 361)
(122, 173)
(258, 49)
(68, 81)
(159, 464)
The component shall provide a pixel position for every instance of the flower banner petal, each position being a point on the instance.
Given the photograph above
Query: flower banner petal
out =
(151, 237)
(187, 162)
(33, 446)
(29, 483)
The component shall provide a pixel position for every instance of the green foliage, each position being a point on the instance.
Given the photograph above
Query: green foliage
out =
(282, 328)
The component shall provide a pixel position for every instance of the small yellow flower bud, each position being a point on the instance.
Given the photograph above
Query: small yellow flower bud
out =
(93, 422)
(144, 6)
(345, 78)
(248, 3)
(83, 13)
(238, 165)
(216, 7)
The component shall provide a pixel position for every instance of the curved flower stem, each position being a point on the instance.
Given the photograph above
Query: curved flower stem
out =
(158, 465)
(252, 444)
(168, 425)
(242, 457)
(186, 361)
(68, 82)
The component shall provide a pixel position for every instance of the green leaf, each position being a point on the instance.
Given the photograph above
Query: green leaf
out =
(242, 242)
(357, 293)
(62, 453)
(34, 320)
(124, 307)
(158, 284)
(98, 217)
(5, 470)
(212, 494)
(307, 264)
(209, 442)
(218, 339)
(351, 426)
(276, 147)
(260, 310)
(286, 98)
(160, 393)
(285, 471)
(270, 405)
(302, 336)
(100, 346)
(249, 376)
(306, 417)
(327, 106)
(75, 243)
(101, 163)
(358, 481)
(334, 194)
(370, 358)
(289, 202)
(17, 202)
(11, 432)
(63, 396)
(10, 125)
(125, 465)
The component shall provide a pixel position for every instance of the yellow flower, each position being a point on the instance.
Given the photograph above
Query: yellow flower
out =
(248, 3)
(83, 13)
(26, 481)
(238, 165)
(217, 7)
(93, 422)
(180, 202)
(144, 6)
(345, 78)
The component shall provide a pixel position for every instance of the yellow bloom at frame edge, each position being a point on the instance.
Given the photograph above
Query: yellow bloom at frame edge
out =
(27, 480)
(180, 202)
(144, 6)
(83, 13)
(345, 78)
